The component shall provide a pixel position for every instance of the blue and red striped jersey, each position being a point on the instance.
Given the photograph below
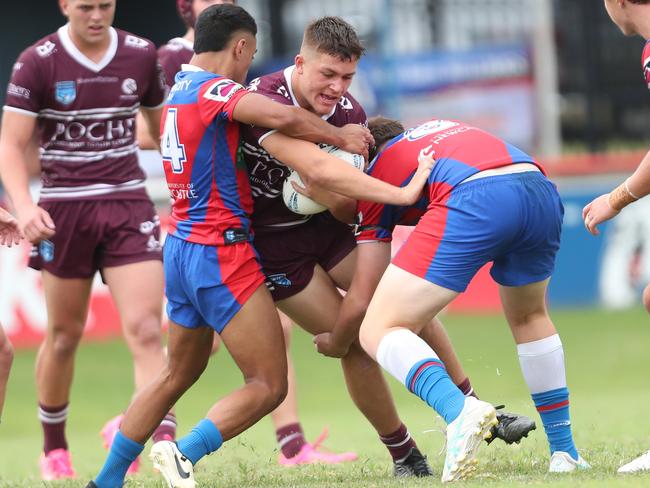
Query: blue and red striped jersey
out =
(645, 63)
(460, 152)
(205, 173)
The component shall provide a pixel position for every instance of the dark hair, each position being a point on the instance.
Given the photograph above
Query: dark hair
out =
(216, 25)
(333, 35)
(383, 130)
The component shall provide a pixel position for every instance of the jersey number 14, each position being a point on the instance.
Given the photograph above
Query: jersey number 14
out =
(171, 148)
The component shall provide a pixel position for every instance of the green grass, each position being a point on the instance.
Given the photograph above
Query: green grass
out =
(607, 366)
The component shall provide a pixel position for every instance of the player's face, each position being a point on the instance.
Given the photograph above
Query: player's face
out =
(246, 48)
(322, 80)
(619, 15)
(199, 6)
(89, 19)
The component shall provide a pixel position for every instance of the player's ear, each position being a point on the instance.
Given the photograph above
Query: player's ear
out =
(299, 62)
(239, 47)
(63, 6)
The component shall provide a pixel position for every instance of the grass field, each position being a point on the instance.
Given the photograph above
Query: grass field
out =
(607, 367)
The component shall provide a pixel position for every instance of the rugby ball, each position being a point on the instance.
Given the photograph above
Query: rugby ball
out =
(303, 205)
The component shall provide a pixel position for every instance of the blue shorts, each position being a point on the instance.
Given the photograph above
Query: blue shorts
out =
(208, 285)
(513, 220)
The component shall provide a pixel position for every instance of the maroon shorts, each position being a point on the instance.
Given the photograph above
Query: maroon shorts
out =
(289, 256)
(95, 234)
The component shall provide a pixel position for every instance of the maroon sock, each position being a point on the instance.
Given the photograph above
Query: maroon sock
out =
(466, 387)
(399, 443)
(291, 439)
(53, 422)
(166, 431)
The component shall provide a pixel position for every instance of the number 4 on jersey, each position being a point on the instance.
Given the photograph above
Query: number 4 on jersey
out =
(171, 148)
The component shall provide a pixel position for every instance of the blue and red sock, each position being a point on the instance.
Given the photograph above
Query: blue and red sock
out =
(553, 408)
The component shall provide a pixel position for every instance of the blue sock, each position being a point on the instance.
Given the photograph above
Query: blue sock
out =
(204, 439)
(429, 380)
(553, 408)
(123, 452)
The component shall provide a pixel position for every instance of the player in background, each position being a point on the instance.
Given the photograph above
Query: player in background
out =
(76, 93)
(633, 18)
(213, 280)
(294, 448)
(486, 201)
(306, 258)
(9, 235)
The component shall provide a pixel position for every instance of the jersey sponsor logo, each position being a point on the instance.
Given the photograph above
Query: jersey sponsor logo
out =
(65, 92)
(222, 90)
(283, 91)
(429, 128)
(44, 50)
(280, 279)
(137, 42)
(18, 91)
(98, 79)
(180, 191)
(345, 103)
(254, 85)
(148, 226)
(129, 86)
(95, 131)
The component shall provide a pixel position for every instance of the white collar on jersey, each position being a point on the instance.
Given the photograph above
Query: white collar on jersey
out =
(80, 57)
(190, 67)
(288, 71)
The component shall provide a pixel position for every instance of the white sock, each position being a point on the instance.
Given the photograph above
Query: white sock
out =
(542, 364)
(400, 350)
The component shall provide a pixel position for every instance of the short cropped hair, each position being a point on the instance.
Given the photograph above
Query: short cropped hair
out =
(383, 130)
(334, 36)
(217, 24)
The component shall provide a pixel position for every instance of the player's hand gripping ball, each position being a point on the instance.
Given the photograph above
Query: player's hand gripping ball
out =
(303, 205)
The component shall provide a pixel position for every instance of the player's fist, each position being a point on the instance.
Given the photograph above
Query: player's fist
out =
(35, 223)
(9, 231)
(326, 346)
(356, 138)
(596, 212)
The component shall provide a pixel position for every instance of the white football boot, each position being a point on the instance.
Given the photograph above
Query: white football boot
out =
(464, 436)
(170, 462)
(642, 463)
(562, 462)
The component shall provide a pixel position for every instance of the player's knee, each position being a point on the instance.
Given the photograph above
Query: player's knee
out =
(144, 333)
(274, 391)
(646, 298)
(64, 339)
(6, 355)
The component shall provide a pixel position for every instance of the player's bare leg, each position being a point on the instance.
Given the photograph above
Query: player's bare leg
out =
(315, 309)
(254, 339)
(6, 358)
(137, 290)
(389, 333)
(67, 308)
(646, 298)
(541, 357)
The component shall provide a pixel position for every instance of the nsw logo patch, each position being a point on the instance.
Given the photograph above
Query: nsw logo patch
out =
(65, 92)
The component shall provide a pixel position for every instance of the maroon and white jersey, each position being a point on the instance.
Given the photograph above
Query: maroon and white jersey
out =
(267, 174)
(172, 55)
(86, 113)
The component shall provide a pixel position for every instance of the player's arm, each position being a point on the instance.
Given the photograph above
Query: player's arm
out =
(372, 261)
(322, 169)
(259, 110)
(9, 231)
(142, 135)
(147, 126)
(607, 206)
(16, 140)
